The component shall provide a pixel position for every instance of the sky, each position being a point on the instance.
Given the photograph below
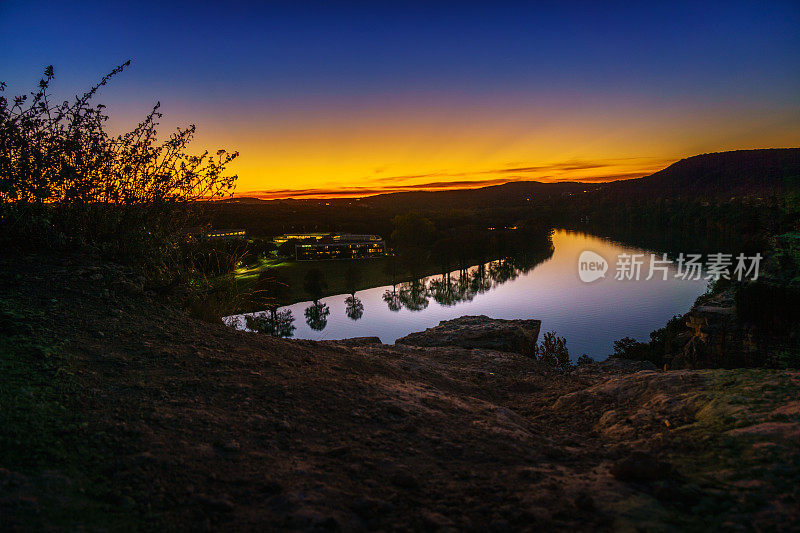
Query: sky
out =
(355, 98)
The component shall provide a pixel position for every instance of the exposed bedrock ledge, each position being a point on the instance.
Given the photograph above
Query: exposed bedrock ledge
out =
(357, 341)
(715, 337)
(517, 336)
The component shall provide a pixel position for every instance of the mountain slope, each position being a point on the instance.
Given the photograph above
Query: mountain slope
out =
(723, 174)
(519, 191)
(739, 172)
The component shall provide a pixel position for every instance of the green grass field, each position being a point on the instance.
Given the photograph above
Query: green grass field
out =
(373, 274)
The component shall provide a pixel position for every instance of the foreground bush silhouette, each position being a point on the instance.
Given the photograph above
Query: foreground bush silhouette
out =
(64, 179)
(553, 352)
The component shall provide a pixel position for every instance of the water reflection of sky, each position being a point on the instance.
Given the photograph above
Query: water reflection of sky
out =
(590, 315)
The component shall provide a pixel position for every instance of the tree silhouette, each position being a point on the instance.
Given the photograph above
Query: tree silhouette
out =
(414, 295)
(444, 291)
(411, 237)
(288, 248)
(276, 323)
(315, 283)
(270, 292)
(317, 316)
(352, 279)
(392, 299)
(480, 281)
(354, 309)
(391, 266)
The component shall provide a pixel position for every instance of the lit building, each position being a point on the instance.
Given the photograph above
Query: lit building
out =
(341, 247)
(305, 237)
(280, 239)
(201, 233)
(225, 234)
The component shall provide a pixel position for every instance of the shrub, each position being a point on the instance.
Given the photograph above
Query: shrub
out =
(63, 178)
(630, 348)
(288, 248)
(211, 299)
(552, 351)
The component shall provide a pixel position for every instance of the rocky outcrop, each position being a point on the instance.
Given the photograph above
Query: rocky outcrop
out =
(358, 341)
(715, 337)
(614, 365)
(517, 336)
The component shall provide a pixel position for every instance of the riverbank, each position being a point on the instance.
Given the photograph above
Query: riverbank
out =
(373, 273)
(124, 413)
(369, 273)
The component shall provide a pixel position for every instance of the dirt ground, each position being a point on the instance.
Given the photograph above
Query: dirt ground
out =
(123, 413)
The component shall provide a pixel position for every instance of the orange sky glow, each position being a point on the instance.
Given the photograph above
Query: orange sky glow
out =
(361, 152)
(328, 100)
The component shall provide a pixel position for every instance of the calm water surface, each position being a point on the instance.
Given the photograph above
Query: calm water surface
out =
(590, 315)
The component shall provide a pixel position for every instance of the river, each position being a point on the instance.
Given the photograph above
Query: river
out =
(590, 315)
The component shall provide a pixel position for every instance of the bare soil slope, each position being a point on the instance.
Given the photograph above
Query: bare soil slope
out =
(181, 424)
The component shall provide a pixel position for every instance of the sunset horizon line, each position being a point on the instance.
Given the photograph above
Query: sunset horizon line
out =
(324, 193)
(364, 192)
(442, 184)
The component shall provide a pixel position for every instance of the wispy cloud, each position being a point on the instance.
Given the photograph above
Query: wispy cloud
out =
(648, 164)
(591, 171)
(615, 177)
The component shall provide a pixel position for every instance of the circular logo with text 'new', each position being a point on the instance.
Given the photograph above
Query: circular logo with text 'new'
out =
(591, 266)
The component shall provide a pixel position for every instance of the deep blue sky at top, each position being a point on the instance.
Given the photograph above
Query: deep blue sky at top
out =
(355, 47)
(254, 59)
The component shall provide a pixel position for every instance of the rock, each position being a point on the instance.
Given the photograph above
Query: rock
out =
(339, 451)
(405, 480)
(370, 509)
(143, 458)
(271, 487)
(215, 503)
(585, 502)
(616, 365)
(308, 518)
(517, 336)
(435, 520)
(499, 525)
(640, 467)
(130, 288)
(231, 446)
(715, 337)
(359, 341)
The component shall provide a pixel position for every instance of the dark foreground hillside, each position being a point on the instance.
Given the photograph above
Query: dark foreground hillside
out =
(119, 412)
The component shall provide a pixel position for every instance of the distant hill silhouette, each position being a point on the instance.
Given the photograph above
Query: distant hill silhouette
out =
(518, 192)
(714, 175)
(721, 175)
(737, 173)
(241, 200)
